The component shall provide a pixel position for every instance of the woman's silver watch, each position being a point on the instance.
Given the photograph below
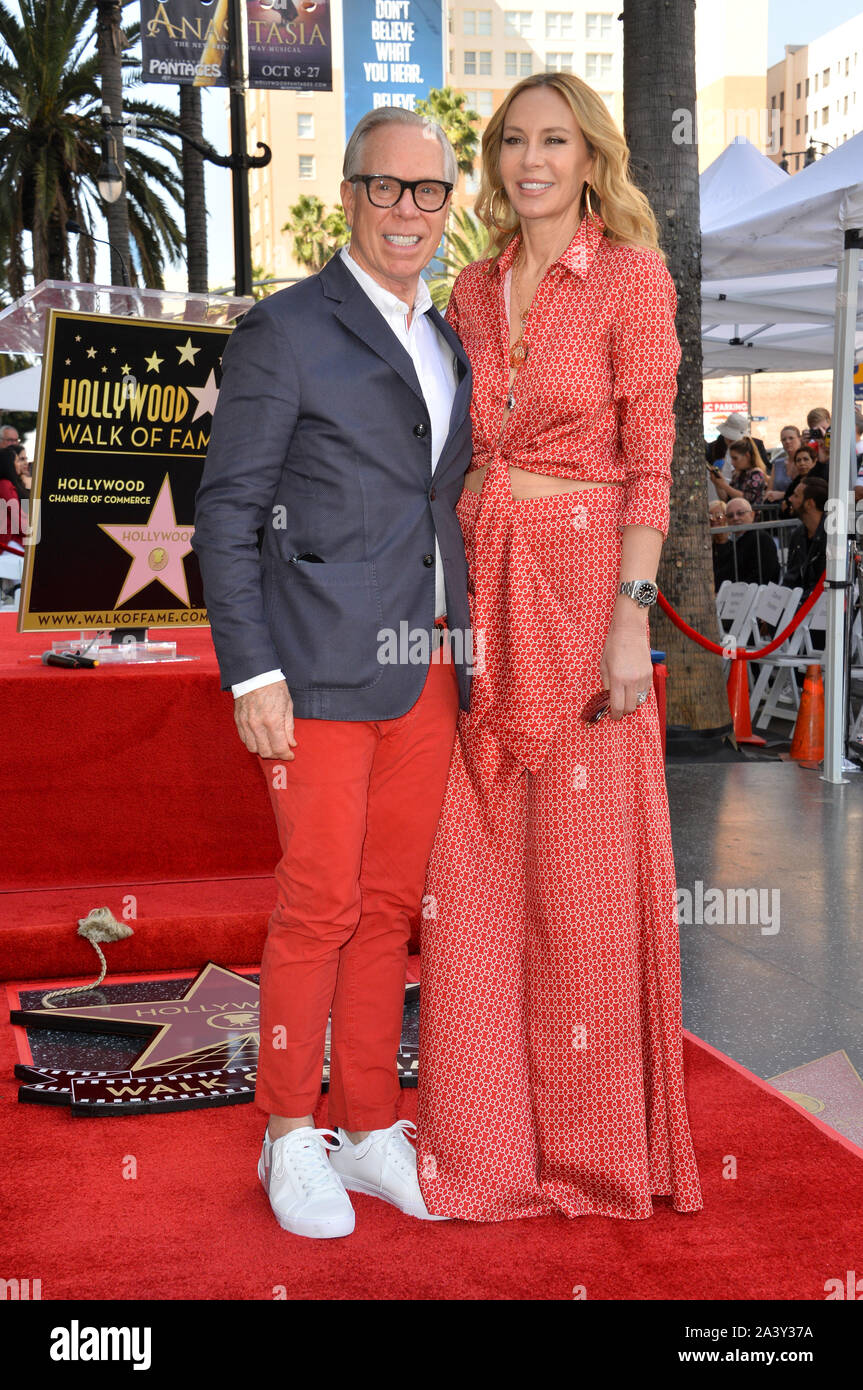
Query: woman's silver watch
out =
(644, 591)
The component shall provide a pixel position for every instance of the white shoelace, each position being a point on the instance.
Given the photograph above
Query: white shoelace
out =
(309, 1160)
(399, 1148)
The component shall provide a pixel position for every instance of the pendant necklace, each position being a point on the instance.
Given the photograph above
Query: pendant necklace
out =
(519, 350)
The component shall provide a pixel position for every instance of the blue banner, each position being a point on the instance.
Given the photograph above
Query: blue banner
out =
(393, 54)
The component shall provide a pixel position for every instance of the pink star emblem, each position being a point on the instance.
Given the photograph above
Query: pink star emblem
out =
(157, 547)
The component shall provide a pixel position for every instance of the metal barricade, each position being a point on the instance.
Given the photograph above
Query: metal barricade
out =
(779, 531)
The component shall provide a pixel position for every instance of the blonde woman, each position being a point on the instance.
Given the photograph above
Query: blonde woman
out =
(550, 1075)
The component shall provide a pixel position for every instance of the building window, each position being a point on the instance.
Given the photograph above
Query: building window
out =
(797, 126)
(814, 120)
(516, 22)
(816, 82)
(477, 22)
(781, 136)
(307, 166)
(558, 24)
(806, 124)
(825, 115)
(782, 101)
(598, 26)
(846, 67)
(558, 62)
(597, 64)
(305, 126)
(480, 102)
(477, 62)
(825, 77)
(798, 91)
(773, 102)
(518, 64)
(807, 86)
(845, 107)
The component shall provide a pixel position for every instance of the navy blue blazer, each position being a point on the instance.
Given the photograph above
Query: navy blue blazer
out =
(321, 444)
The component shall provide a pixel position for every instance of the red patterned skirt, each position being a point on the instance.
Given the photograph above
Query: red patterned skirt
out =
(551, 1074)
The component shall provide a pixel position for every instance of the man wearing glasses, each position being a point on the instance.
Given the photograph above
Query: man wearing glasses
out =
(357, 394)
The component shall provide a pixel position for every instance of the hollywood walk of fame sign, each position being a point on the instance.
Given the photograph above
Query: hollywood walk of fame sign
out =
(201, 1045)
(124, 423)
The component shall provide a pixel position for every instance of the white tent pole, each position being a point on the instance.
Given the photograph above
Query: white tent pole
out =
(840, 502)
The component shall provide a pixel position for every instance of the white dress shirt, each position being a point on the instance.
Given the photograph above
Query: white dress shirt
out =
(437, 371)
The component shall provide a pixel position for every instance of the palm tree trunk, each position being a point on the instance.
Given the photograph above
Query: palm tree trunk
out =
(110, 63)
(659, 83)
(194, 196)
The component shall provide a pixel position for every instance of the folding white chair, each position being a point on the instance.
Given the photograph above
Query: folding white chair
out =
(11, 567)
(733, 603)
(782, 697)
(773, 606)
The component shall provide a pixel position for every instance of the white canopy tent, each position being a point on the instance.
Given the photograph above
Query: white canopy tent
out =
(770, 270)
(735, 177)
(20, 390)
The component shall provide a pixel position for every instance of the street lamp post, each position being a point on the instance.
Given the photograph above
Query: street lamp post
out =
(238, 161)
(809, 154)
(238, 78)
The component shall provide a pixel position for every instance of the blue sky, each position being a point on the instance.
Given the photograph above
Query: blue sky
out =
(801, 21)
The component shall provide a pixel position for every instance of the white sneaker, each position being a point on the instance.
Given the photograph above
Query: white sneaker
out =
(305, 1192)
(384, 1165)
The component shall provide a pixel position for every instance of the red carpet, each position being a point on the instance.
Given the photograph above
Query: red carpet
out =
(105, 764)
(133, 783)
(195, 1223)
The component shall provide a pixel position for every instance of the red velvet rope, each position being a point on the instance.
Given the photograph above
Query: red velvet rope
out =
(740, 653)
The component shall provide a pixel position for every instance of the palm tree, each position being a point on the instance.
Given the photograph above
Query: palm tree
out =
(466, 242)
(658, 78)
(50, 146)
(317, 236)
(194, 195)
(109, 37)
(458, 121)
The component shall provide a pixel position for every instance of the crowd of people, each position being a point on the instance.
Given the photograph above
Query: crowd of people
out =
(15, 481)
(746, 486)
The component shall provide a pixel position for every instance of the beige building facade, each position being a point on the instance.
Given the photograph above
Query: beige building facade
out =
(815, 94)
(487, 49)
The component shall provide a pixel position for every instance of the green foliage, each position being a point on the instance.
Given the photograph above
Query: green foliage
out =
(457, 120)
(317, 235)
(50, 148)
(466, 242)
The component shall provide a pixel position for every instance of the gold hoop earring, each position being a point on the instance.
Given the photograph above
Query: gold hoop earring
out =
(495, 195)
(587, 206)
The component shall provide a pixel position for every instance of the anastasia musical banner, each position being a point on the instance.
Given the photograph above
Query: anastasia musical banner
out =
(124, 424)
(186, 42)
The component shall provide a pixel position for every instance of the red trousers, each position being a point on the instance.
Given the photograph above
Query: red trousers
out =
(356, 811)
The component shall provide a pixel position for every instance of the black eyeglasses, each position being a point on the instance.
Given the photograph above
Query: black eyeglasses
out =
(384, 191)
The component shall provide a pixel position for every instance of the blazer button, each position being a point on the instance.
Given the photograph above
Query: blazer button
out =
(432, 495)
(420, 430)
(428, 561)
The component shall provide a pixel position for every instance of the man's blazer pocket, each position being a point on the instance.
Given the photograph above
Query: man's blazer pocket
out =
(325, 619)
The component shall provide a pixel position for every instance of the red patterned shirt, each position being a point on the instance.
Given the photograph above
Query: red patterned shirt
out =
(595, 398)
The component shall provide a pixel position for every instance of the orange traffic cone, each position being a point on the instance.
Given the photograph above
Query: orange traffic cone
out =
(807, 745)
(738, 700)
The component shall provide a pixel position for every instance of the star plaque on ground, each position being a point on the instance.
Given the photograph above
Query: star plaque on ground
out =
(199, 1043)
